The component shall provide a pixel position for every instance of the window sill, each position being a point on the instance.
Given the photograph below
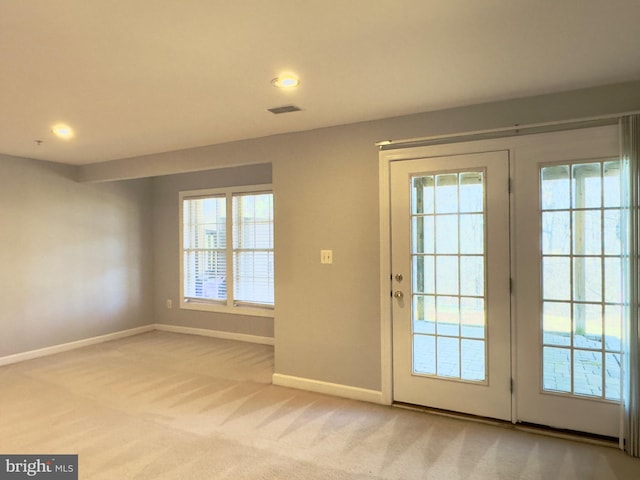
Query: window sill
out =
(219, 308)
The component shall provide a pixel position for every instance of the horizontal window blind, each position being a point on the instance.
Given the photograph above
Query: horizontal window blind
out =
(253, 248)
(204, 244)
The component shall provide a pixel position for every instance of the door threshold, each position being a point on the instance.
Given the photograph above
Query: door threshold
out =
(583, 437)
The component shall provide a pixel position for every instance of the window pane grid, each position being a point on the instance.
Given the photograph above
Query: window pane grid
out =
(581, 279)
(448, 281)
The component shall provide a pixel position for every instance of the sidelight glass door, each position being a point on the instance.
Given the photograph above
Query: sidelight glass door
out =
(568, 280)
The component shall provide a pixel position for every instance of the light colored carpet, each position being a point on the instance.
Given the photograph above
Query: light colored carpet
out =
(169, 406)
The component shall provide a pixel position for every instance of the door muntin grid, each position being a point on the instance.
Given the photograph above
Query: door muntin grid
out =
(448, 254)
(581, 315)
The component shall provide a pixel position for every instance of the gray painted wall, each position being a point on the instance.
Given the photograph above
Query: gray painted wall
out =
(327, 324)
(167, 249)
(76, 259)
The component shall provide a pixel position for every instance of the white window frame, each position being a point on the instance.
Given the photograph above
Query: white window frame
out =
(228, 306)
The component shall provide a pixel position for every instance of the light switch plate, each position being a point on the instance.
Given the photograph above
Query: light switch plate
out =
(326, 256)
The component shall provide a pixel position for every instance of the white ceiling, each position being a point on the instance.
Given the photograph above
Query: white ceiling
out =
(134, 77)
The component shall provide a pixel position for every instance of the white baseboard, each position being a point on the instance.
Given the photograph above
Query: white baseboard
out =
(65, 347)
(335, 389)
(241, 337)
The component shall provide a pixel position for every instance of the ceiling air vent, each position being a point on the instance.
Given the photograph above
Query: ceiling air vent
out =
(285, 109)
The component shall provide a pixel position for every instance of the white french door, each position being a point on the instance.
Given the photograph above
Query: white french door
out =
(568, 280)
(451, 322)
(509, 304)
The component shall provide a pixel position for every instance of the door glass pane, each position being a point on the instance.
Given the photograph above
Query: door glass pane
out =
(586, 183)
(472, 317)
(613, 327)
(612, 376)
(587, 325)
(448, 257)
(447, 275)
(446, 234)
(423, 274)
(555, 191)
(424, 314)
(448, 316)
(612, 232)
(448, 357)
(424, 354)
(556, 323)
(472, 359)
(472, 234)
(471, 192)
(587, 232)
(587, 379)
(556, 373)
(556, 278)
(447, 193)
(424, 241)
(422, 195)
(581, 286)
(587, 279)
(556, 233)
(472, 275)
(613, 280)
(611, 183)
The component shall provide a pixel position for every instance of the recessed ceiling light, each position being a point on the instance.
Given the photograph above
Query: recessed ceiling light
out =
(285, 81)
(62, 131)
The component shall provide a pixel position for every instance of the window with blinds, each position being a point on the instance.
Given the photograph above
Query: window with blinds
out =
(204, 248)
(227, 250)
(253, 248)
